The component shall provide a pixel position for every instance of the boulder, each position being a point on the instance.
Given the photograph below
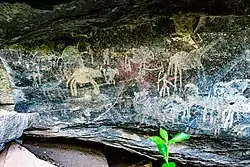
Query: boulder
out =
(68, 155)
(17, 156)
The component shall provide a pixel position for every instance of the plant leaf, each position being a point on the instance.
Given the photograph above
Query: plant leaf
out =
(170, 164)
(164, 134)
(165, 165)
(163, 149)
(157, 140)
(179, 137)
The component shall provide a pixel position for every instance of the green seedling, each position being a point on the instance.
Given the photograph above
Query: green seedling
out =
(163, 143)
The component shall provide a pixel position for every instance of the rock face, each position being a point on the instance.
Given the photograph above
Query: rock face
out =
(18, 156)
(6, 99)
(123, 69)
(12, 124)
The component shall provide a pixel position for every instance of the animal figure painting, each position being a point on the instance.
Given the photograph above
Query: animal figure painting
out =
(83, 75)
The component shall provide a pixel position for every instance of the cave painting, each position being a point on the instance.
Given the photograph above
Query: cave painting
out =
(84, 75)
(139, 56)
(52, 91)
(105, 54)
(165, 84)
(183, 61)
(109, 75)
(220, 108)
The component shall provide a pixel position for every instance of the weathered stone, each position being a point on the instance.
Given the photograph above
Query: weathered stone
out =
(68, 155)
(6, 99)
(17, 156)
(4, 85)
(12, 124)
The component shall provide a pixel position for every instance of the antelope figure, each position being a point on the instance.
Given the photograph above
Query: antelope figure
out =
(83, 75)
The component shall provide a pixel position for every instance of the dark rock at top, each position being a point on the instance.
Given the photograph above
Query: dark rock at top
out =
(43, 20)
(212, 7)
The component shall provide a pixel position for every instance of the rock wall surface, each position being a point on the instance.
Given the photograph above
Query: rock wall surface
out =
(113, 72)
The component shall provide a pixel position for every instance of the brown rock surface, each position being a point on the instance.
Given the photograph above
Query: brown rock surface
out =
(68, 155)
(18, 156)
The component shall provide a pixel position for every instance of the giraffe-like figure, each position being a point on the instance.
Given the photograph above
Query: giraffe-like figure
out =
(182, 61)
